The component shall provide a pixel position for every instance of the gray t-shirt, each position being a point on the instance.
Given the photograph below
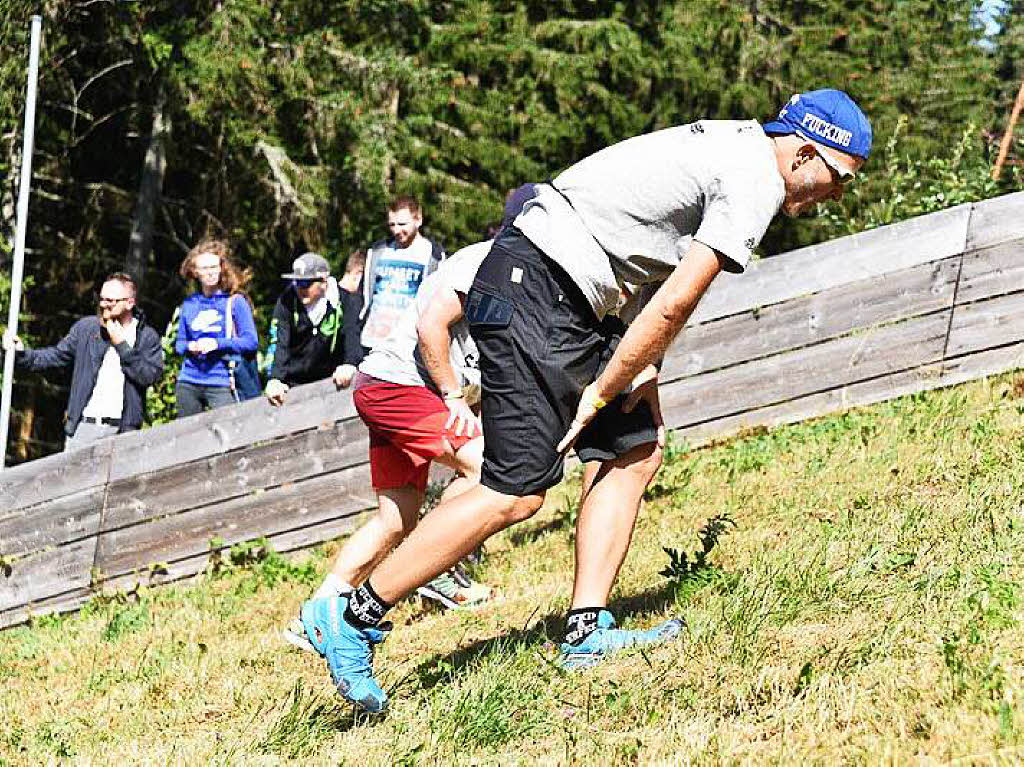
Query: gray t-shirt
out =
(397, 359)
(625, 216)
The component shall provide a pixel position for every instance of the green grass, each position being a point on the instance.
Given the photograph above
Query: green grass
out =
(851, 588)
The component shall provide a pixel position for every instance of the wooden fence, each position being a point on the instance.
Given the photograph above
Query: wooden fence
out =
(928, 302)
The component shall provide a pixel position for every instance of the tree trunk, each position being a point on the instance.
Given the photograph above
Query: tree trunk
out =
(140, 243)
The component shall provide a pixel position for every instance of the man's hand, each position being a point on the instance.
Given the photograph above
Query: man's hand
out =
(115, 331)
(12, 342)
(645, 388)
(343, 375)
(275, 391)
(202, 345)
(461, 419)
(590, 403)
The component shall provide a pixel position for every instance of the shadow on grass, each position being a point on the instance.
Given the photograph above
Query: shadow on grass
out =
(530, 533)
(533, 635)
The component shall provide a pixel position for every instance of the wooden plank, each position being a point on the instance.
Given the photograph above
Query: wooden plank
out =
(837, 262)
(200, 483)
(61, 603)
(818, 404)
(992, 271)
(225, 429)
(285, 508)
(812, 319)
(293, 540)
(52, 523)
(982, 364)
(843, 361)
(47, 573)
(986, 324)
(995, 221)
(34, 482)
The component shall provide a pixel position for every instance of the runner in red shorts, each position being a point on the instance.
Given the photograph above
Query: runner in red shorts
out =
(414, 421)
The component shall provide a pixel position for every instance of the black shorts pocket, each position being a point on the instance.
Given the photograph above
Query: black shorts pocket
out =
(487, 310)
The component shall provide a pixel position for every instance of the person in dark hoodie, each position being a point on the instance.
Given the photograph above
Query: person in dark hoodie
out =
(215, 328)
(315, 329)
(114, 357)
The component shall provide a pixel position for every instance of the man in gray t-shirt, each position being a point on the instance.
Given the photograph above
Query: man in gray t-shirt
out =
(669, 211)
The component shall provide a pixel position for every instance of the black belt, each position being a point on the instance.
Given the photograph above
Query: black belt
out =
(104, 421)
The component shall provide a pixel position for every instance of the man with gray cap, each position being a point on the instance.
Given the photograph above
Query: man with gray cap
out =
(314, 330)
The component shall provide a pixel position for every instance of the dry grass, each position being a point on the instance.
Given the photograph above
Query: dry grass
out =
(865, 609)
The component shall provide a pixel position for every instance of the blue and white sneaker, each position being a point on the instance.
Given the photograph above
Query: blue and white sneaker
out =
(607, 639)
(348, 651)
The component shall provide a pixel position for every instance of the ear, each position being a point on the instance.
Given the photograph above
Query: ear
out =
(803, 155)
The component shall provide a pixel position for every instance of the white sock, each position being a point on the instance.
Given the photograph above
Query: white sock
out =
(333, 586)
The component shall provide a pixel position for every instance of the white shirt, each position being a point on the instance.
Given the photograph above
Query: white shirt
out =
(630, 212)
(397, 358)
(397, 275)
(107, 400)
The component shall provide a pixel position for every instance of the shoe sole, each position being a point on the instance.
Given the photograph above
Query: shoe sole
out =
(298, 642)
(448, 603)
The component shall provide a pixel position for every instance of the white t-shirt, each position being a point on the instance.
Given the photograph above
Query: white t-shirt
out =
(397, 358)
(397, 276)
(107, 400)
(626, 215)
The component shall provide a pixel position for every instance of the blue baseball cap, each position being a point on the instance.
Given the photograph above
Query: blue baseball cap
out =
(827, 116)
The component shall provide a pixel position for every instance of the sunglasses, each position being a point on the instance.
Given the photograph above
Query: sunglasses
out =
(843, 176)
(305, 283)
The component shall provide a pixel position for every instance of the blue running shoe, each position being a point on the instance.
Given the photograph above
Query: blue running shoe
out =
(348, 650)
(607, 639)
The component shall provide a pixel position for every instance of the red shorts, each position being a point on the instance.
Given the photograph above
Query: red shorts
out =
(407, 431)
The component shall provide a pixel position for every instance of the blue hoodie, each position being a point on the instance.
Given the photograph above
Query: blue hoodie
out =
(203, 317)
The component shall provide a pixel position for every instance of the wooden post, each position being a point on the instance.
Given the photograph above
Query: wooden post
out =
(1004, 146)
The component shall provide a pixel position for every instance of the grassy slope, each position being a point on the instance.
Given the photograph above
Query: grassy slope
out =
(865, 607)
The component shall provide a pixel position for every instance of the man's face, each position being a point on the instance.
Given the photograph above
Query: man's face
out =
(115, 300)
(816, 175)
(404, 225)
(310, 291)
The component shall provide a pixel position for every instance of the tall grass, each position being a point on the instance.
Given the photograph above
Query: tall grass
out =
(850, 587)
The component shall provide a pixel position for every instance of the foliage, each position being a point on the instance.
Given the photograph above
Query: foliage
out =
(681, 568)
(292, 122)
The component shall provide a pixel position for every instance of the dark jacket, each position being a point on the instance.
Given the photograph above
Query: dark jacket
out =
(84, 347)
(303, 353)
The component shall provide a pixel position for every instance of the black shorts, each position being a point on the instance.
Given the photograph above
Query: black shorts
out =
(540, 345)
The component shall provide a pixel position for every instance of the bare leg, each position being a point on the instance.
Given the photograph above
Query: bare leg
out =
(446, 535)
(396, 516)
(604, 528)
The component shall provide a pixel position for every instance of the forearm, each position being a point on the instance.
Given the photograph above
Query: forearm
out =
(436, 359)
(647, 339)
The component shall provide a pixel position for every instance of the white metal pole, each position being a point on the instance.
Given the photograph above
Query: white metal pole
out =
(17, 272)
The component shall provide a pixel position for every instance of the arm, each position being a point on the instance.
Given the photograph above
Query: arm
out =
(245, 340)
(651, 333)
(443, 310)
(181, 340)
(351, 327)
(142, 364)
(60, 356)
(283, 325)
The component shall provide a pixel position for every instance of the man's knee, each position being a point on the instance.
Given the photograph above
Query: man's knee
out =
(522, 508)
(644, 461)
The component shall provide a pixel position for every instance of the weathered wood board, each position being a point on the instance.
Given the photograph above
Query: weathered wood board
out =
(238, 473)
(929, 302)
(185, 534)
(808, 320)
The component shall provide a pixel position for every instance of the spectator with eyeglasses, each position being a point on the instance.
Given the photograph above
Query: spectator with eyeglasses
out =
(114, 356)
(314, 330)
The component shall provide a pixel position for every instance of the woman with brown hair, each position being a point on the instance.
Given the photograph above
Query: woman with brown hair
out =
(215, 323)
